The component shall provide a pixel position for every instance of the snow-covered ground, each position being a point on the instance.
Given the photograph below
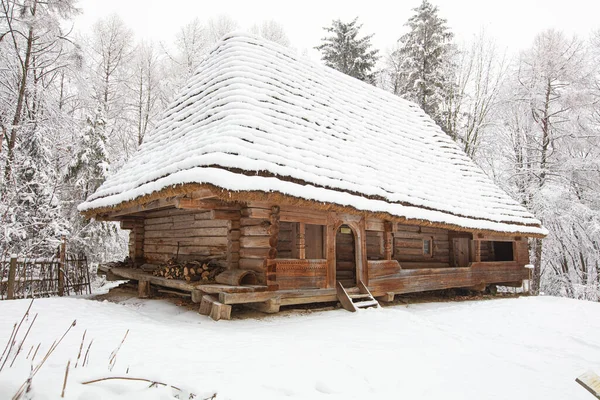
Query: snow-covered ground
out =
(526, 348)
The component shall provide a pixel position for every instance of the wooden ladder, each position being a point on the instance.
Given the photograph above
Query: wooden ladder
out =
(357, 298)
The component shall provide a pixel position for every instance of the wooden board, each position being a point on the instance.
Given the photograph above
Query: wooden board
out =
(419, 280)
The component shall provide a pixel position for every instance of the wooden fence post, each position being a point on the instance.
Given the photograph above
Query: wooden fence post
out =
(61, 267)
(12, 272)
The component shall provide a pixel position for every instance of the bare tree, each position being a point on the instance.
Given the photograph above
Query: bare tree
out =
(468, 108)
(146, 87)
(273, 31)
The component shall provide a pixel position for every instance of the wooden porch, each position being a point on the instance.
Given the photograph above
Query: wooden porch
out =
(387, 279)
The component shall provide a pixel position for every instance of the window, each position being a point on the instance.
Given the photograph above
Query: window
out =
(503, 251)
(428, 247)
(496, 251)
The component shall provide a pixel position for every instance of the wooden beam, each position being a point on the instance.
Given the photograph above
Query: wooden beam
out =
(388, 240)
(270, 306)
(301, 240)
(144, 290)
(243, 298)
(388, 297)
(203, 204)
(152, 205)
(475, 250)
(498, 238)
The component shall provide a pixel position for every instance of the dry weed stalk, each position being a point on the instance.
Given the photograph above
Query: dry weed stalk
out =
(80, 348)
(65, 381)
(25, 386)
(23, 341)
(113, 356)
(13, 337)
(85, 358)
(152, 384)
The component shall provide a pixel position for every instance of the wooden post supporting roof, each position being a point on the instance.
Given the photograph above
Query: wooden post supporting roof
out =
(388, 240)
(271, 273)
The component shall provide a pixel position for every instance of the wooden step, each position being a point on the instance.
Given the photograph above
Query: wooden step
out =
(360, 296)
(353, 299)
(367, 304)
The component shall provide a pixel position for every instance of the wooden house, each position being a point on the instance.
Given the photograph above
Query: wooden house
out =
(325, 188)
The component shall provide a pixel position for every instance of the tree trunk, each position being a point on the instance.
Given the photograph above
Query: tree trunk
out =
(537, 266)
(20, 99)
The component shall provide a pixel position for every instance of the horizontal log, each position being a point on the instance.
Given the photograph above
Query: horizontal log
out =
(169, 212)
(260, 213)
(191, 224)
(303, 282)
(172, 249)
(244, 221)
(258, 230)
(383, 268)
(307, 218)
(409, 243)
(255, 241)
(203, 204)
(227, 215)
(188, 241)
(270, 306)
(498, 238)
(131, 223)
(253, 264)
(416, 280)
(254, 252)
(413, 235)
(374, 225)
(242, 298)
(135, 274)
(345, 265)
(183, 233)
(418, 264)
(408, 257)
(236, 277)
(407, 228)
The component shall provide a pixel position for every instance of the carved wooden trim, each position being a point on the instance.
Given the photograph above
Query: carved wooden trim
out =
(293, 264)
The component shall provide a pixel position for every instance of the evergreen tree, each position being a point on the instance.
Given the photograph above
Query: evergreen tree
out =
(424, 59)
(90, 166)
(346, 53)
(87, 171)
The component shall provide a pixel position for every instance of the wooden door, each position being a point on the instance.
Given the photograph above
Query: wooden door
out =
(460, 247)
(345, 256)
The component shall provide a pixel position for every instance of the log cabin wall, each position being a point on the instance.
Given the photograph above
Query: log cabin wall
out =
(189, 235)
(409, 247)
(255, 240)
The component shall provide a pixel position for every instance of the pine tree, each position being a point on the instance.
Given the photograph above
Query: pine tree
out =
(346, 53)
(90, 166)
(424, 57)
(87, 171)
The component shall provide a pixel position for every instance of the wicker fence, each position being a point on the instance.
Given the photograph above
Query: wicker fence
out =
(28, 278)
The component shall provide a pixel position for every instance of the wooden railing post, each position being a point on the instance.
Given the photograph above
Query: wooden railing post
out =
(12, 272)
(61, 267)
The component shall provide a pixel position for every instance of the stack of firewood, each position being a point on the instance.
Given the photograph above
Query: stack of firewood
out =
(191, 271)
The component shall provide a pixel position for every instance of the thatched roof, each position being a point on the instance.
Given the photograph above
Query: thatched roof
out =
(257, 117)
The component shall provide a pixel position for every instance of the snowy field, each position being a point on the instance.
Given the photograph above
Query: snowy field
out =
(526, 348)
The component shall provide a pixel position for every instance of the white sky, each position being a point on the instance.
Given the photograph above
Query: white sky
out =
(513, 23)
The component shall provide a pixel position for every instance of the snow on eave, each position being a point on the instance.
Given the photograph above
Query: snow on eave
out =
(232, 181)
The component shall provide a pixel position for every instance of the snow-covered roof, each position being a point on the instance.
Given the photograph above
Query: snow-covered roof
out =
(313, 133)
